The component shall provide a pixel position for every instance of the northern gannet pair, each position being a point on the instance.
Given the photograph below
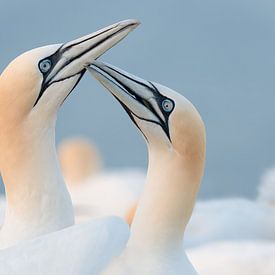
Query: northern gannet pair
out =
(32, 88)
(175, 137)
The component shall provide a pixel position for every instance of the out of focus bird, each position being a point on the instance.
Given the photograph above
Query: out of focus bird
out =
(80, 160)
(95, 191)
(230, 219)
(234, 219)
(266, 190)
(175, 137)
(255, 257)
(32, 88)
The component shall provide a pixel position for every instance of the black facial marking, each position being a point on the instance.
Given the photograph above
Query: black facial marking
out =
(80, 77)
(157, 95)
(160, 98)
(54, 58)
(130, 114)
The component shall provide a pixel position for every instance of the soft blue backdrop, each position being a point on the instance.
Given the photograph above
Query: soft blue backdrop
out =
(219, 54)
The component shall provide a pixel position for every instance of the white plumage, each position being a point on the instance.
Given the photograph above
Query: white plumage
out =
(230, 219)
(266, 190)
(78, 250)
(2, 209)
(108, 193)
(234, 258)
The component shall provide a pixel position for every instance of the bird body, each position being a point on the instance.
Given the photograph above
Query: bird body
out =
(77, 250)
(133, 261)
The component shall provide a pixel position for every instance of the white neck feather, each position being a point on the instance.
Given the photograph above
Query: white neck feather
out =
(37, 199)
(167, 203)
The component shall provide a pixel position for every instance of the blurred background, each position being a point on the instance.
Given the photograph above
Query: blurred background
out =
(219, 54)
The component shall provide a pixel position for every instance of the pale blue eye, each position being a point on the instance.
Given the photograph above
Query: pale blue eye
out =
(167, 105)
(45, 65)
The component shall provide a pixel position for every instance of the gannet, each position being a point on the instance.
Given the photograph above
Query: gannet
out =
(32, 88)
(229, 219)
(175, 136)
(266, 190)
(80, 159)
(95, 190)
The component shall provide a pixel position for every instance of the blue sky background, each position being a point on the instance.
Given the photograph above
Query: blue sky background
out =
(219, 54)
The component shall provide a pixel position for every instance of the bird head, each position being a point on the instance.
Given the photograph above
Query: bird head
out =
(36, 83)
(166, 118)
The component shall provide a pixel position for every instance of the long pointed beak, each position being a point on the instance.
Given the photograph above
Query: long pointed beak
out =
(140, 98)
(72, 57)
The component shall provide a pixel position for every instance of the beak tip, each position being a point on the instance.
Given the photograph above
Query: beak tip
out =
(130, 22)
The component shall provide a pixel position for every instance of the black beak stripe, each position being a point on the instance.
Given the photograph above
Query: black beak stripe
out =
(158, 96)
(58, 54)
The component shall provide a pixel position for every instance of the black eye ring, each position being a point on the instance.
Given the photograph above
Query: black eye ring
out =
(45, 65)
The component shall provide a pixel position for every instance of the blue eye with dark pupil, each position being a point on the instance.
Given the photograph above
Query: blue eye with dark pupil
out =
(167, 105)
(45, 65)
